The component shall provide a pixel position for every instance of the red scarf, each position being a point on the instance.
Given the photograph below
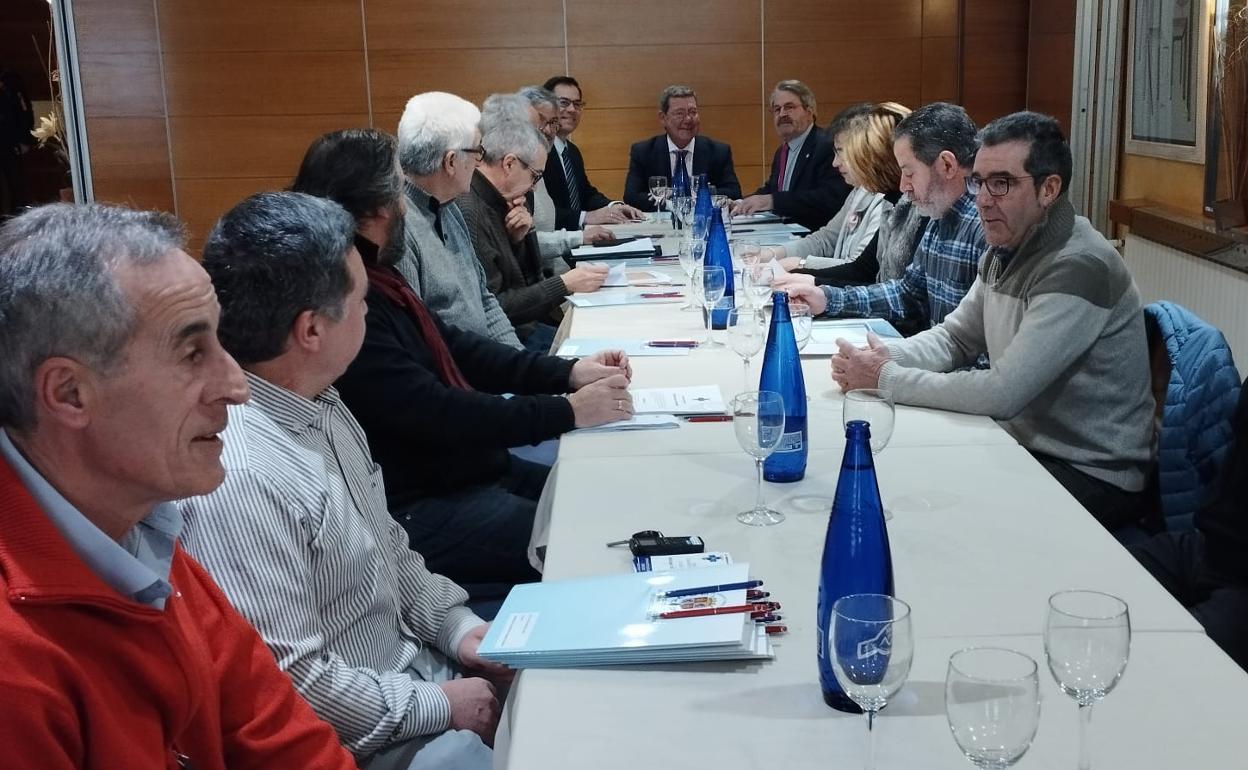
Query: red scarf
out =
(393, 287)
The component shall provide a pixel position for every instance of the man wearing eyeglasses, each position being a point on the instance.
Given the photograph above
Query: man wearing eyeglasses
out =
(1060, 317)
(577, 202)
(501, 228)
(680, 143)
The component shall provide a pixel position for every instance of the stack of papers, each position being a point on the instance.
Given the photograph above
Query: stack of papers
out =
(636, 422)
(642, 247)
(696, 399)
(586, 346)
(612, 620)
(823, 334)
(756, 218)
(620, 275)
(658, 296)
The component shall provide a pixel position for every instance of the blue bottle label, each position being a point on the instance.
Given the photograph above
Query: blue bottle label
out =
(790, 442)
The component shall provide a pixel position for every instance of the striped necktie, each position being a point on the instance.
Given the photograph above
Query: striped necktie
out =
(574, 195)
(784, 168)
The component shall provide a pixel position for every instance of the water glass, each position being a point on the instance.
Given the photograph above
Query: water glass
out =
(682, 206)
(758, 281)
(872, 647)
(658, 191)
(803, 323)
(746, 251)
(874, 406)
(1087, 639)
(709, 284)
(758, 419)
(747, 331)
(992, 701)
(691, 253)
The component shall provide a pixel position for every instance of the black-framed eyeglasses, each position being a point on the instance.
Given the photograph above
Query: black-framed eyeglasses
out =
(479, 151)
(997, 186)
(537, 175)
(565, 102)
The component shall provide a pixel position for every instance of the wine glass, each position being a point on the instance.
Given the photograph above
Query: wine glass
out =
(803, 324)
(992, 701)
(658, 191)
(682, 206)
(691, 253)
(875, 406)
(700, 226)
(1087, 638)
(747, 251)
(758, 419)
(709, 284)
(747, 331)
(758, 281)
(872, 646)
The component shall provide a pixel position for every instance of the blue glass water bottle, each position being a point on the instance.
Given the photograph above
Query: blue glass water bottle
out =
(856, 556)
(680, 189)
(782, 373)
(702, 206)
(718, 253)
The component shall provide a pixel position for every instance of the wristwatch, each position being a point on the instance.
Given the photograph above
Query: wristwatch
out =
(801, 263)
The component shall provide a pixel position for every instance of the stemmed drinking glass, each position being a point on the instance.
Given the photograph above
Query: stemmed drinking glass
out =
(1087, 638)
(658, 191)
(992, 701)
(876, 407)
(758, 280)
(803, 323)
(709, 284)
(872, 647)
(747, 331)
(682, 206)
(758, 419)
(691, 252)
(746, 251)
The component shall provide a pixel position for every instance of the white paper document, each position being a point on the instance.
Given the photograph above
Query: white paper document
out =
(636, 422)
(660, 296)
(584, 346)
(823, 334)
(697, 399)
(640, 246)
(620, 275)
(681, 561)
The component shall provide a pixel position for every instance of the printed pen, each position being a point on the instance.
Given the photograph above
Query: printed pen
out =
(776, 629)
(712, 589)
(709, 418)
(736, 608)
(672, 344)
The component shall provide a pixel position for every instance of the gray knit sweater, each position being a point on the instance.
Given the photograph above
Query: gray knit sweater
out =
(1062, 323)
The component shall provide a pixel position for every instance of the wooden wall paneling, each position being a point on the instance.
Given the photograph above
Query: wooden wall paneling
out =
(794, 21)
(124, 102)
(853, 70)
(661, 22)
(1051, 59)
(276, 83)
(940, 70)
(463, 24)
(940, 18)
(398, 75)
(994, 67)
(188, 26)
(634, 76)
(249, 147)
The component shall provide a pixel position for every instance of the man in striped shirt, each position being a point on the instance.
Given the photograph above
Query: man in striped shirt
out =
(935, 147)
(299, 536)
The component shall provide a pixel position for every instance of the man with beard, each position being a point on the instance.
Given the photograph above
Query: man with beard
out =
(935, 147)
(429, 396)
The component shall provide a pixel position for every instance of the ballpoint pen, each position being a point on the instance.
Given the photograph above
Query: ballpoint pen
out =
(672, 344)
(736, 608)
(660, 295)
(712, 589)
(709, 418)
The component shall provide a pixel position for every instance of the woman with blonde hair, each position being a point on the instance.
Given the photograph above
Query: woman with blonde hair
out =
(872, 237)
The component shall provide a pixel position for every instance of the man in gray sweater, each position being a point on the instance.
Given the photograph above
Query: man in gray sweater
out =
(439, 149)
(1060, 317)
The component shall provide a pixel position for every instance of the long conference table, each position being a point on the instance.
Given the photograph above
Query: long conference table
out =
(981, 536)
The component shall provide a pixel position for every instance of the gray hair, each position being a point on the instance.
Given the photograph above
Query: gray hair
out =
(433, 124)
(798, 89)
(272, 257)
(938, 127)
(59, 294)
(674, 92)
(500, 108)
(537, 96)
(511, 137)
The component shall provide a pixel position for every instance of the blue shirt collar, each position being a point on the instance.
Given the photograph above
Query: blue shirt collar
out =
(138, 567)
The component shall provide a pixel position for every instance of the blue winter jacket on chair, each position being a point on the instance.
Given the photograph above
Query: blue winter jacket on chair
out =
(1196, 432)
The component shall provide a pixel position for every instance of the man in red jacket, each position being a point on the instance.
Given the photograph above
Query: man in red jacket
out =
(116, 649)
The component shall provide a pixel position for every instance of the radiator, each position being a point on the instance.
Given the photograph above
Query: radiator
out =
(1215, 293)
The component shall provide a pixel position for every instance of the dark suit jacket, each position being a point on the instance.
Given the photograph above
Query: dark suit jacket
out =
(816, 192)
(557, 185)
(650, 157)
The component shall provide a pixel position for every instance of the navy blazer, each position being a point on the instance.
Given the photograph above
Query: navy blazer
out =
(650, 157)
(566, 217)
(817, 190)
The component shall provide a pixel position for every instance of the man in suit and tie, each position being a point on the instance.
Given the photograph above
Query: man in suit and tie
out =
(679, 143)
(804, 185)
(577, 202)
